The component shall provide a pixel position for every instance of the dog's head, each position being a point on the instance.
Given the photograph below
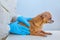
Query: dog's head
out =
(47, 17)
(43, 18)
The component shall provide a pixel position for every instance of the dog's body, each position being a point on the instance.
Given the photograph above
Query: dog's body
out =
(37, 23)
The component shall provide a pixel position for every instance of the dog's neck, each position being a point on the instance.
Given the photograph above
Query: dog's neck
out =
(36, 21)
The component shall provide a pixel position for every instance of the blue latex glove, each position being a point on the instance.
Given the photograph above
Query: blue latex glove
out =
(20, 29)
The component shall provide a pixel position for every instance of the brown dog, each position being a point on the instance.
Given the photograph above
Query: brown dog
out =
(37, 22)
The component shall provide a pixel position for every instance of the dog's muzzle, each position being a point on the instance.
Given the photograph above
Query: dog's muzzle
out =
(50, 21)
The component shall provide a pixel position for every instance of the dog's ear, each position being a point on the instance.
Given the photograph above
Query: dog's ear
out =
(43, 15)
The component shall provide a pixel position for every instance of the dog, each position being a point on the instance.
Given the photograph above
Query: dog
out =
(37, 22)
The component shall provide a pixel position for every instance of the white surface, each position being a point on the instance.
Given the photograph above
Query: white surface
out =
(55, 36)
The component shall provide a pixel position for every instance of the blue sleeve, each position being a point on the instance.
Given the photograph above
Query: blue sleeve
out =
(23, 20)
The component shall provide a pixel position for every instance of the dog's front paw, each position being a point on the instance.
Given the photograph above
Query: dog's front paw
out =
(43, 35)
(49, 33)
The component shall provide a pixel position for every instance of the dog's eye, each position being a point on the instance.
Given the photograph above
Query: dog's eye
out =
(49, 18)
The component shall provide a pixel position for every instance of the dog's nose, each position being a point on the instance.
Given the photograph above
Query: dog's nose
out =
(52, 20)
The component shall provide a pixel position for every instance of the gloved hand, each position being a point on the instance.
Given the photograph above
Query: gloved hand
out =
(20, 29)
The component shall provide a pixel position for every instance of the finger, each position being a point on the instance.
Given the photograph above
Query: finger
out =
(23, 27)
(24, 32)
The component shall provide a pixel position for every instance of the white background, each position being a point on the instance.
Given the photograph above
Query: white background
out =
(31, 8)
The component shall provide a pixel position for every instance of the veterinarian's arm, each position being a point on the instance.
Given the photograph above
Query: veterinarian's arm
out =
(24, 20)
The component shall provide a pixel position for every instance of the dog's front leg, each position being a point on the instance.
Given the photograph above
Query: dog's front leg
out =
(46, 33)
(38, 33)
